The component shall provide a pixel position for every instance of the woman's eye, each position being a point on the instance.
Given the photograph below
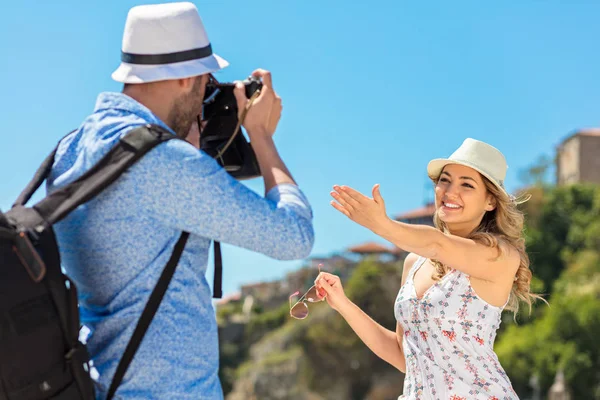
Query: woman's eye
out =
(467, 185)
(444, 180)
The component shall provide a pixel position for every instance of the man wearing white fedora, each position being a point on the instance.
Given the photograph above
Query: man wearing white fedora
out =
(116, 245)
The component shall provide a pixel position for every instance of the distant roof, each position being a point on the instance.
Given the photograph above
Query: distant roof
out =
(370, 247)
(425, 211)
(232, 297)
(581, 132)
(397, 250)
(589, 132)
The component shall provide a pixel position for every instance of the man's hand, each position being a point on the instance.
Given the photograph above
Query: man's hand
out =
(260, 123)
(264, 114)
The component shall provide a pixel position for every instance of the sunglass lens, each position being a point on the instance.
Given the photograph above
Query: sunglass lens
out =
(299, 311)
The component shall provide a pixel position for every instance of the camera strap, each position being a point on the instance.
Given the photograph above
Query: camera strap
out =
(218, 278)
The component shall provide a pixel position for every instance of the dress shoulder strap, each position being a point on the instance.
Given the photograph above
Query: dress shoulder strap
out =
(416, 265)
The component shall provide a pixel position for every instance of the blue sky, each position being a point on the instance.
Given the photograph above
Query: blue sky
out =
(371, 90)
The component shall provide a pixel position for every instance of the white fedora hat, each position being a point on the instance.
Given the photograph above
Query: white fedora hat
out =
(485, 159)
(165, 41)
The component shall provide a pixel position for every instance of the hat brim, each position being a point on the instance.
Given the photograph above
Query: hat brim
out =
(135, 73)
(435, 167)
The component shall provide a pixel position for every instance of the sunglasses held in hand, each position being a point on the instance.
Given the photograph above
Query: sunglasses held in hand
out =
(300, 309)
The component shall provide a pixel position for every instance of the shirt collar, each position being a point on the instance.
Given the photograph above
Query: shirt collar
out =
(120, 101)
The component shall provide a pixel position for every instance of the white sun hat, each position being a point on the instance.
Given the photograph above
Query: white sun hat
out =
(165, 41)
(485, 159)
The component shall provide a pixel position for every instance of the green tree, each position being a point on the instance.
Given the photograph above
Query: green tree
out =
(564, 338)
(563, 242)
(561, 226)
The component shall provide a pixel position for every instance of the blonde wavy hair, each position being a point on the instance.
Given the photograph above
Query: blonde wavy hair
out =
(500, 228)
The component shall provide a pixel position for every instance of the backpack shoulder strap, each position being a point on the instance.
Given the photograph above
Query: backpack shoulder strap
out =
(40, 175)
(130, 149)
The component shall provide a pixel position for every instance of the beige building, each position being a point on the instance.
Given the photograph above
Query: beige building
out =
(382, 252)
(578, 158)
(419, 216)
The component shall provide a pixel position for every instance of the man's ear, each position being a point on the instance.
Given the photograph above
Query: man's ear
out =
(186, 84)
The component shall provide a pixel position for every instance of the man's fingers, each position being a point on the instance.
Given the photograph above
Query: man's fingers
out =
(265, 75)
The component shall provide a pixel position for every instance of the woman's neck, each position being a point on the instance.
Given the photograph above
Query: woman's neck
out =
(463, 229)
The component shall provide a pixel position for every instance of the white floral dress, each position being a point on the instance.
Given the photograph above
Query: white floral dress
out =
(449, 342)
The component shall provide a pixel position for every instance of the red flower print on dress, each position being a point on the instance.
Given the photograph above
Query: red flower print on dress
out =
(493, 398)
(423, 335)
(455, 397)
(451, 335)
(478, 340)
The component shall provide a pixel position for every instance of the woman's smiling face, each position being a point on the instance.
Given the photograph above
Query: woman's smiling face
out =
(461, 198)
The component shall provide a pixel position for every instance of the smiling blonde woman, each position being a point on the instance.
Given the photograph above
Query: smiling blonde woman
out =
(457, 279)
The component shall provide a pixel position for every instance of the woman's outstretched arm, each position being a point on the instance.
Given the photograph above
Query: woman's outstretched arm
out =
(466, 255)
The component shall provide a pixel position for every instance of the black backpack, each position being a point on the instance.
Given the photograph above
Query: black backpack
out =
(41, 356)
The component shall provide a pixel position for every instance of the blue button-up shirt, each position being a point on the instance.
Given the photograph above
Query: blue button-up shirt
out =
(115, 246)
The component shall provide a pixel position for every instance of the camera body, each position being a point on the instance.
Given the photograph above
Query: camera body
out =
(220, 114)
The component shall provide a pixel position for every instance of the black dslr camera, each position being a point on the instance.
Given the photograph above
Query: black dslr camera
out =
(219, 138)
